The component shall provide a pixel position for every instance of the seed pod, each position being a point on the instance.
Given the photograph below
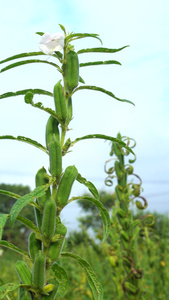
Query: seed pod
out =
(65, 185)
(23, 272)
(51, 129)
(34, 245)
(70, 110)
(55, 248)
(38, 217)
(60, 101)
(41, 179)
(39, 271)
(72, 70)
(118, 169)
(49, 219)
(55, 156)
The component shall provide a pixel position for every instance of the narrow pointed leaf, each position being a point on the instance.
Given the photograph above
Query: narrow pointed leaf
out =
(104, 137)
(99, 89)
(23, 92)
(91, 276)
(10, 194)
(103, 212)
(8, 287)
(75, 36)
(3, 219)
(81, 80)
(29, 224)
(26, 199)
(95, 63)
(30, 61)
(12, 247)
(101, 50)
(61, 277)
(21, 55)
(89, 185)
(63, 28)
(46, 109)
(24, 139)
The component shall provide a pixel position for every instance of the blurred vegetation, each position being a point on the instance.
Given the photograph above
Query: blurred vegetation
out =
(17, 235)
(105, 259)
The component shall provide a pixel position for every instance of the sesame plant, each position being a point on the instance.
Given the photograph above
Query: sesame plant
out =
(125, 229)
(40, 275)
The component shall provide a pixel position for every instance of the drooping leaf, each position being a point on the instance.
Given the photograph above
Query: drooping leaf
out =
(46, 109)
(103, 212)
(99, 89)
(8, 287)
(104, 137)
(30, 61)
(26, 140)
(30, 225)
(12, 247)
(91, 276)
(21, 55)
(101, 50)
(61, 277)
(26, 199)
(3, 219)
(75, 36)
(23, 92)
(89, 185)
(95, 63)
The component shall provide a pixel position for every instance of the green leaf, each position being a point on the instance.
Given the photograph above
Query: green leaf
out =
(95, 88)
(46, 109)
(3, 219)
(30, 225)
(75, 36)
(91, 276)
(104, 137)
(81, 79)
(103, 212)
(26, 199)
(26, 140)
(24, 62)
(23, 92)
(106, 62)
(89, 185)
(40, 33)
(8, 287)
(61, 277)
(101, 50)
(10, 246)
(63, 28)
(28, 54)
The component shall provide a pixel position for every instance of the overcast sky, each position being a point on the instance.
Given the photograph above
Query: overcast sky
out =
(142, 78)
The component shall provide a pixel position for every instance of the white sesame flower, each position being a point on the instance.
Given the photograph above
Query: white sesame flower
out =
(51, 42)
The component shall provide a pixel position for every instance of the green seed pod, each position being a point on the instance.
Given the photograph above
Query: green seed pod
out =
(23, 272)
(72, 70)
(65, 185)
(39, 271)
(49, 219)
(60, 101)
(118, 170)
(34, 245)
(55, 248)
(124, 236)
(41, 179)
(70, 110)
(51, 129)
(55, 156)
